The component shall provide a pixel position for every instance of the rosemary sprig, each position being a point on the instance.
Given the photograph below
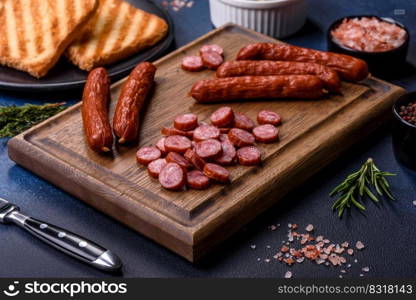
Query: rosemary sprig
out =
(16, 119)
(358, 185)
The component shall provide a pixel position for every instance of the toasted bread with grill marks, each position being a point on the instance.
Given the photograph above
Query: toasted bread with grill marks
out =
(34, 33)
(117, 31)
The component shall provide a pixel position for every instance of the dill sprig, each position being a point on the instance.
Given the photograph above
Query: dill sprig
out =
(16, 119)
(362, 183)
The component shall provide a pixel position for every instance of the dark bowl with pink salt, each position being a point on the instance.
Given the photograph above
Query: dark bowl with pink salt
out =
(381, 42)
(404, 130)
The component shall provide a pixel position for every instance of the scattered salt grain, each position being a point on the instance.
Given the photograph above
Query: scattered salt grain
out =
(258, 259)
(414, 202)
(356, 260)
(288, 274)
(359, 245)
(268, 247)
(177, 5)
(366, 269)
(343, 271)
(361, 275)
(338, 249)
(272, 227)
(309, 228)
(340, 276)
(349, 266)
(300, 259)
(267, 260)
(253, 247)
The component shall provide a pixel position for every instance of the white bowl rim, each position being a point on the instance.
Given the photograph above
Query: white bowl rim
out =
(259, 4)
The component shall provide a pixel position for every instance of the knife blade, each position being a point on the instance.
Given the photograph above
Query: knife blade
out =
(61, 239)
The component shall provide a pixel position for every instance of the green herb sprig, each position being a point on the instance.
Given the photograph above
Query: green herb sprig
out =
(358, 185)
(16, 119)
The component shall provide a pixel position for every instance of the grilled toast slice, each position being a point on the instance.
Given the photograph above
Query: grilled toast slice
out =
(34, 33)
(117, 31)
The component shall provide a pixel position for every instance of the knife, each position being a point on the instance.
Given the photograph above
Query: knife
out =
(61, 239)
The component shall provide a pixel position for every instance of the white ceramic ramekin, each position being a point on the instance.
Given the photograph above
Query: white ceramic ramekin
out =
(277, 18)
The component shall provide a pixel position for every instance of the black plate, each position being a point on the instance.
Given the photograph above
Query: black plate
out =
(64, 75)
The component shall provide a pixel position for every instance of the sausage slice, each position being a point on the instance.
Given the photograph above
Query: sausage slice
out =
(146, 155)
(211, 59)
(156, 166)
(197, 180)
(243, 122)
(186, 122)
(222, 117)
(194, 159)
(177, 143)
(240, 137)
(192, 63)
(206, 132)
(217, 173)
(208, 149)
(172, 177)
(268, 117)
(174, 157)
(266, 133)
(228, 151)
(249, 156)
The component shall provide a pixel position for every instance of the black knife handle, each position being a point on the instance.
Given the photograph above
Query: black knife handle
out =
(69, 242)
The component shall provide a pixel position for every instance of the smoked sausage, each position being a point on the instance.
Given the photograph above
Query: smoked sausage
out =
(134, 92)
(348, 67)
(254, 87)
(266, 67)
(95, 100)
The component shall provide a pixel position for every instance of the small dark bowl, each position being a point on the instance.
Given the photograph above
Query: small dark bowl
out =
(378, 62)
(404, 134)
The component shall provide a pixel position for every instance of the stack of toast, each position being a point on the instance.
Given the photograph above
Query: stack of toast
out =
(34, 34)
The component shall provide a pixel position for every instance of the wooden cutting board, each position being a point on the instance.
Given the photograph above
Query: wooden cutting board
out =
(192, 223)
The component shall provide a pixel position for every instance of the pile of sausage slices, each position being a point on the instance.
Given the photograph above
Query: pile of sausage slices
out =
(194, 153)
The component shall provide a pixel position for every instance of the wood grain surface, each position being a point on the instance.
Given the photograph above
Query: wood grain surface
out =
(192, 223)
